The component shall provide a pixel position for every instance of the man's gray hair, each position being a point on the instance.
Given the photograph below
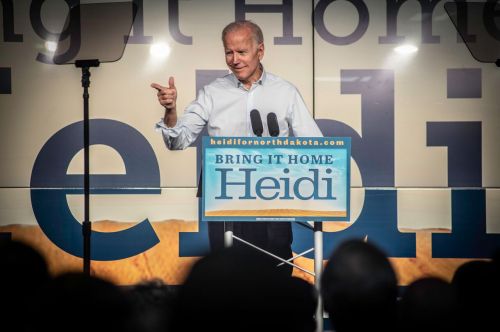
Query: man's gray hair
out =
(236, 25)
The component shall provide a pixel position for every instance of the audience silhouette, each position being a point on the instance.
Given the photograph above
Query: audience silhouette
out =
(23, 273)
(359, 288)
(429, 304)
(81, 303)
(477, 286)
(237, 290)
(153, 302)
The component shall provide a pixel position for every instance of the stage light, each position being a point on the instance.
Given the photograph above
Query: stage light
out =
(160, 50)
(51, 46)
(400, 57)
(406, 49)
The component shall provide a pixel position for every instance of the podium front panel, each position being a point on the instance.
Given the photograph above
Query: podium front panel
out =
(276, 178)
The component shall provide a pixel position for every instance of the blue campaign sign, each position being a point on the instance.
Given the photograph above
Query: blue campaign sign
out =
(276, 178)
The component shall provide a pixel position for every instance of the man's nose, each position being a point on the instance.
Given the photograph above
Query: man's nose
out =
(236, 58)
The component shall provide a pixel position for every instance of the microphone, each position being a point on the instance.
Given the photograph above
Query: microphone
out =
(272, 124)
(256, 121)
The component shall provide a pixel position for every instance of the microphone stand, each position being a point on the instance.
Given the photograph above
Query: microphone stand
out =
(229, 226)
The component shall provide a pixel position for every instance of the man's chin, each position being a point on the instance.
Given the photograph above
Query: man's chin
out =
(239, 75)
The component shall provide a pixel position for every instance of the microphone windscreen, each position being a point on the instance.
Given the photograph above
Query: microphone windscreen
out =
(272, 124)
(256, 121)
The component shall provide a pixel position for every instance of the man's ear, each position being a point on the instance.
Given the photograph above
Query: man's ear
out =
(260, 50)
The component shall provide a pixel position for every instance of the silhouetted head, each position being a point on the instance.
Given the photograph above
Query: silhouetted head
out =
(429, 304)
(478, 291)
(153, 302)
(238, 290)
(23, 272)
(21, 265)
(359, 288)
(77, 302)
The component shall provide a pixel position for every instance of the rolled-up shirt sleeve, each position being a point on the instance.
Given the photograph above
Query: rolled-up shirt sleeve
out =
(189, 125)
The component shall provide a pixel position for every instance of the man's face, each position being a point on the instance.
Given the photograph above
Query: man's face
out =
(243, 55)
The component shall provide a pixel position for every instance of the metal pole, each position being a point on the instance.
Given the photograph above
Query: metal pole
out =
(228, 234)
(86, 225)
(318, 269)
(284, 261)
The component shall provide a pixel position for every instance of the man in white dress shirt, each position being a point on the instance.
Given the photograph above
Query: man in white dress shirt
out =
(224, 106)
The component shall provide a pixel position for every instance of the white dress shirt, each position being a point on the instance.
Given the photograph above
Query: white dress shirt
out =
(225, 105)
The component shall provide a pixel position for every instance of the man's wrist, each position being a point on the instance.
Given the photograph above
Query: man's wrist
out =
(170, 118)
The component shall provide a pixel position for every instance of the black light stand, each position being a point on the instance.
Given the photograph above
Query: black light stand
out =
(86, 225)
(93, 41)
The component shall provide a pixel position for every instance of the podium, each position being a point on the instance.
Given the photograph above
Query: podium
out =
(277, 179)
(93, 33)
